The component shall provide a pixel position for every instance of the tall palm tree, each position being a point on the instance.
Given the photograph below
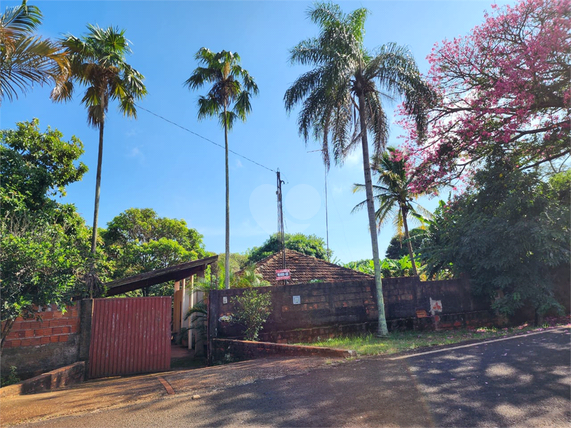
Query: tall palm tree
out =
(341, 97)
(395, 199)
(229, 100)
(26, 59)
(98, 62)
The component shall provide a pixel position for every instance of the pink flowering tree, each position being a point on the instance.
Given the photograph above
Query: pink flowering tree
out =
(504, 88)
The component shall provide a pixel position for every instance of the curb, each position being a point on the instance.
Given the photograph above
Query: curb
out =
(56, 379)
(246, 350)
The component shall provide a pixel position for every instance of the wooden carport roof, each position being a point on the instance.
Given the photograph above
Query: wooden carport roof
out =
(159, 276)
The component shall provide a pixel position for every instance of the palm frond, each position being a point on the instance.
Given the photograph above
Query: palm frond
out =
(232, 86)
(26, 59)
(207, 107)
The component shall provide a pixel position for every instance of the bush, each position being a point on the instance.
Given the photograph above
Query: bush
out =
(252, 310)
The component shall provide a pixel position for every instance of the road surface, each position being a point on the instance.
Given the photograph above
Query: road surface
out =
(515, 382)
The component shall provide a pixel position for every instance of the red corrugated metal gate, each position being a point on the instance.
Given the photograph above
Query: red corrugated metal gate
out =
(130, 335)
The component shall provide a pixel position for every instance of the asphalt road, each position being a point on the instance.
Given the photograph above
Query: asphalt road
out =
(519, 382)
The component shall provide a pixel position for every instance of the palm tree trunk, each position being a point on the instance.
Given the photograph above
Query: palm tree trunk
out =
(227, 248)
(407, 237)
(97, 190)
(382, 327)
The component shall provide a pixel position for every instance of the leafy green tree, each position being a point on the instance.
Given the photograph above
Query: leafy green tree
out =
(36, 166)
(252, 309)
(509, 233)
(140, 241)
(395, 198)
(341, 97)
(44, 258)
(228, 99)
(396, 249)
(25, 58)
(364, 266)
(42, 263)
(142, 225)
(305, 244)
(98, 62)
(390, 268)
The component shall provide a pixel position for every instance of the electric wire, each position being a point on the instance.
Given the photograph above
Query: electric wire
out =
(204, 138)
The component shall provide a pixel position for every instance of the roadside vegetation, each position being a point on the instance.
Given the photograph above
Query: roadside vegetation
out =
(407, 341)
(489, 123)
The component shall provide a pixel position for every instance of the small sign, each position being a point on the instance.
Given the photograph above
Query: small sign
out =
(296, 300)
(224, 300)
(421, 313)
(282, 274)
(435, 306)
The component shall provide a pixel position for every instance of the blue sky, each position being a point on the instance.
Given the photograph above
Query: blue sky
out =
(149, 163)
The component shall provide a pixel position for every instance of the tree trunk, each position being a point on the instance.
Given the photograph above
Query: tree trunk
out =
(382, 322)
(5, 331)
(97, 190)
(407, 237)
(227, 248)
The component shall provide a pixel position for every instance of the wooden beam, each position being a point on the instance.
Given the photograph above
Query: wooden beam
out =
(159, 276)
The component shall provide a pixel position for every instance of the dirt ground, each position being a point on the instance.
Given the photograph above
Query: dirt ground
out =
(123, 391)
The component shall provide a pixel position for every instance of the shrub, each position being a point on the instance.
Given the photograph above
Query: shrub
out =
(252, 310)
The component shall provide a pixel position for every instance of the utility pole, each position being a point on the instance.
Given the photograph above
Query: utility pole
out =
(281, 232)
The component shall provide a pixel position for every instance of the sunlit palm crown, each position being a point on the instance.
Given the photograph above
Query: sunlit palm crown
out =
(395, 200)
(232, 86)
(98, 62)
(344, 71)
(26, 59)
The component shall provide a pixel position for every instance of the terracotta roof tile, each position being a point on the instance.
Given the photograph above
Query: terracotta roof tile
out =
(305, 269)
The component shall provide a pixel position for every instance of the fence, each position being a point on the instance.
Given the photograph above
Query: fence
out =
(115, 336)
(303, 312)
(130, 335)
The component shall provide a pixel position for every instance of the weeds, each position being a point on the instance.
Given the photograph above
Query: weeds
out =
(12, 377)
(403, 341)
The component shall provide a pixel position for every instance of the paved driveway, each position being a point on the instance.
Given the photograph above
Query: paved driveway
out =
(522, 381)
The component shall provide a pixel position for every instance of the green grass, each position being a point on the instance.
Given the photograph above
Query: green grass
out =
(406, 341)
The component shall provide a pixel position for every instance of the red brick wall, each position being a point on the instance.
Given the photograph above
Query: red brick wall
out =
(54, 326)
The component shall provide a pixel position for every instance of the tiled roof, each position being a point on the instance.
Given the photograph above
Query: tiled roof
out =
(304, 269)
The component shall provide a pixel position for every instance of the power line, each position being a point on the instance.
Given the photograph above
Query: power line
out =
(204, 138)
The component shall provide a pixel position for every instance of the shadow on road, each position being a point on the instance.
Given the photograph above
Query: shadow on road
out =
(523, 381)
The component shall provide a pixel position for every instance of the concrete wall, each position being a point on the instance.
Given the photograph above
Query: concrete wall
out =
(327, 309)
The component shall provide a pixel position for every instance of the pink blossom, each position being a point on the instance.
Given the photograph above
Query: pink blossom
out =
(499, 85)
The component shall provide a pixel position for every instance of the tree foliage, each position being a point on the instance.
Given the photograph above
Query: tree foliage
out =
(229, 99)
(394, 195)
(44, 243)
(25, 58)
(248, 278)
(305, 244)
(98, 62)
(505, 84)
(42, 263)
(36, 166)
(138, 240)
(508, 233)
(397, 247)
(390, 268)
(341, 97)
